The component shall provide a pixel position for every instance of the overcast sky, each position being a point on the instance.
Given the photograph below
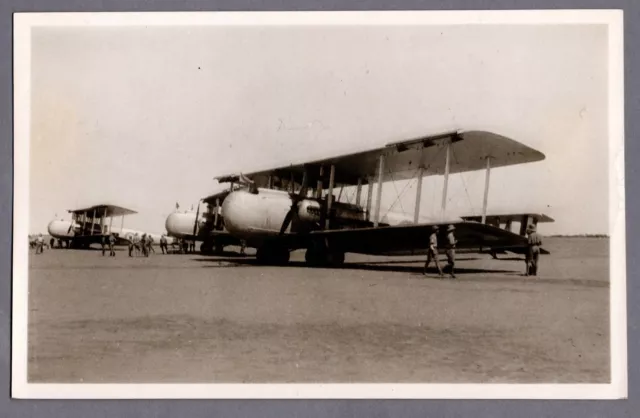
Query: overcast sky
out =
(146, 117)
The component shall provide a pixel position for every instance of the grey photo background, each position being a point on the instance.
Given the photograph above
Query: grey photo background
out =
(315, 408)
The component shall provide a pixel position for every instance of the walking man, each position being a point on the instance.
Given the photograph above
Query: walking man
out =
(533, 250)
(432, 253)
(451, 250)
(150, 248)
(143, 245)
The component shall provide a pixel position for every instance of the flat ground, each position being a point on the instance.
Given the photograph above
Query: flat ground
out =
(191, 318)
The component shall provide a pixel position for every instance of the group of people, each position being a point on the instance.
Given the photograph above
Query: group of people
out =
(450, 251)
(109, 241)
(140, 245)
(531, 257)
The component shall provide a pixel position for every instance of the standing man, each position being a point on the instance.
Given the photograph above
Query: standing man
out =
(533, 250)
(192, 246)
(39, 244)
(103, 244)
(52, 241)
(432, 253)
(112, 243)
(163, 244)
(451, 249)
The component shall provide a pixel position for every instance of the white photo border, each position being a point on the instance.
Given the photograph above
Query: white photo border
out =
(616, 389)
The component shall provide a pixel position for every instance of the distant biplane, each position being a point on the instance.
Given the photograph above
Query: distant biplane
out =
(88, 225)
(294, 207)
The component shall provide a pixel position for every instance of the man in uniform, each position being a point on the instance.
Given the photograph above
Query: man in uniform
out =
(112, 243)
(52, 241)
(103, 244)
(163, 244)
(533, 250)
(192, 246)
(451, 249)
(432, 253)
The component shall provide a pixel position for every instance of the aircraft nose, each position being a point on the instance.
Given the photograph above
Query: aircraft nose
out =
(58, 228)
(180, 224)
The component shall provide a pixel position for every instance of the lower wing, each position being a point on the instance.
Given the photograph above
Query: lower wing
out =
(414, 239)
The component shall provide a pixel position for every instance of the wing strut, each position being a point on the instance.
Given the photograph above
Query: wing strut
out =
(376, 220)
(369, 196)
(359, 191)
(416, 214)
(332, 177)
(446, 177)
(486, 191)
(93, 221)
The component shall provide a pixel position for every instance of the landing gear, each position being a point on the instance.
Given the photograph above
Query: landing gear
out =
(272, 255)
(324, 257)
(206, 248)
(210, 247)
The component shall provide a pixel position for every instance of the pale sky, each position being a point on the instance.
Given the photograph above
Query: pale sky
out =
(146, 117)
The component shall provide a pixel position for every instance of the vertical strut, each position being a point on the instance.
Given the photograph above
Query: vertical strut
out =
(215, 214)
(319, 184)
(332, 175)
(93, 221)
(369, 197)
(376, 220)
(359, 191)
(446, 178)
(416, 215)
(486, 190)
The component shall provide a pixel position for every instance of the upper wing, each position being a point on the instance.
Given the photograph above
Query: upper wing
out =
(407, 239)
(104, 210)
(469, 151)
(510, 217)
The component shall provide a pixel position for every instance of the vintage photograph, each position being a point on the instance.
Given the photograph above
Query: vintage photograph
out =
(309, 203)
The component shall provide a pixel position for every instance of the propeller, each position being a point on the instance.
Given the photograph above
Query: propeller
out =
(195, 223)
(295, 201)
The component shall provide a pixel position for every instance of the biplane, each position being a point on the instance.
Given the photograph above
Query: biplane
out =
(88, 225)
(295, 207)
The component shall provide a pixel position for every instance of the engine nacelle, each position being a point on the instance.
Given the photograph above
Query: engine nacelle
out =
(309, 211)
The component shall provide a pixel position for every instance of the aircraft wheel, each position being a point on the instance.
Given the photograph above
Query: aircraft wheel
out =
(219, 249)
(206, 248)
(272, 256)
(313, 257)
(335, 259)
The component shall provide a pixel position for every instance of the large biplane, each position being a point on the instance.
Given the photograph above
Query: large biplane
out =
(88, 225)
(295, 207)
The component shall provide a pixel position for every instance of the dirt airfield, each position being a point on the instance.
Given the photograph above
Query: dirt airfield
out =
(204, 319)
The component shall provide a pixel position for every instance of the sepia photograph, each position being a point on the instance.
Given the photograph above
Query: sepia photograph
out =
(319, 205)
